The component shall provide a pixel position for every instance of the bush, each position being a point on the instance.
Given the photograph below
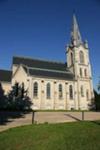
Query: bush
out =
(97, 100)
(16, 99)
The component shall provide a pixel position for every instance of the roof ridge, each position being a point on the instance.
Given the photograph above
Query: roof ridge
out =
(49, 70)
(40, 59)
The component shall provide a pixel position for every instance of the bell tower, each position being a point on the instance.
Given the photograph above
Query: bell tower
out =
(79, 64)
(73, 47)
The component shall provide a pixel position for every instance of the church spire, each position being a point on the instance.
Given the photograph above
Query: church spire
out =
(75, 33)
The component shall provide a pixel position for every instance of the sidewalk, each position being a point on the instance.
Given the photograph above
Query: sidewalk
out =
(43, 117)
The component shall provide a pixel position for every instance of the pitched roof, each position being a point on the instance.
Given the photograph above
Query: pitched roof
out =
(5, 75)
(36, 63)
(51, 74)
(43, 68)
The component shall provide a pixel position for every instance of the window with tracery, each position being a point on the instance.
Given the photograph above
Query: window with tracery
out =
(60, 91)
(35, 89)
(71, 92)
(81, 56)
(48, 90)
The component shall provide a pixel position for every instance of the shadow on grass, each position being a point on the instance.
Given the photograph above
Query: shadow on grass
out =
(96, 122)
(73, 117)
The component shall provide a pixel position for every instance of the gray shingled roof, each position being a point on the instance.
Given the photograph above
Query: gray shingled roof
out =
(36, 63)
(5, 75)
(51, 74)
(43, 68)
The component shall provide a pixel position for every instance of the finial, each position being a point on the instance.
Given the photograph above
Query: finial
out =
(86, 44)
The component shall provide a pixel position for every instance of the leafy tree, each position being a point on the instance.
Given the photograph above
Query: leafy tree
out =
(3, 98)
(97, 100)
(18, 99)
(99, 86)
(15, 89)
(97, 97)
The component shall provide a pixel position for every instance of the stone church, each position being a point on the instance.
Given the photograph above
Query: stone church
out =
(55, 85)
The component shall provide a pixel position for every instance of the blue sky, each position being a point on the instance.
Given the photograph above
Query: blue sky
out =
(41, 29)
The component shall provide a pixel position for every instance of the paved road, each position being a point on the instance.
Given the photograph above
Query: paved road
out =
(21, 119)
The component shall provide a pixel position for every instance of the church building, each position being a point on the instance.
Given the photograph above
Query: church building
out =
(55, 85)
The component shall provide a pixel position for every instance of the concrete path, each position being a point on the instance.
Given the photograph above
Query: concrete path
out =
(57, 117)
(10, 122)
(43, 117)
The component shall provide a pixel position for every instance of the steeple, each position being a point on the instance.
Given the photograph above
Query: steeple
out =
(75, 33)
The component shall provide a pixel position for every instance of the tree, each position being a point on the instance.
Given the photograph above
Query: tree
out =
(97, 100)
(18, 99)
(99, 86)
(3, 98)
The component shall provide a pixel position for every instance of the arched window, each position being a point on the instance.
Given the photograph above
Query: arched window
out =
(60, 91)
(85, 73)
(80, 72)
(82, 91)
(71, 92)
(35, 89)
(87, 95)
(71, 56)
(48, 91)
(81, 55)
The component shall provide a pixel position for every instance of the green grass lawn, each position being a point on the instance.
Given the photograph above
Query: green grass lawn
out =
(65, 136)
